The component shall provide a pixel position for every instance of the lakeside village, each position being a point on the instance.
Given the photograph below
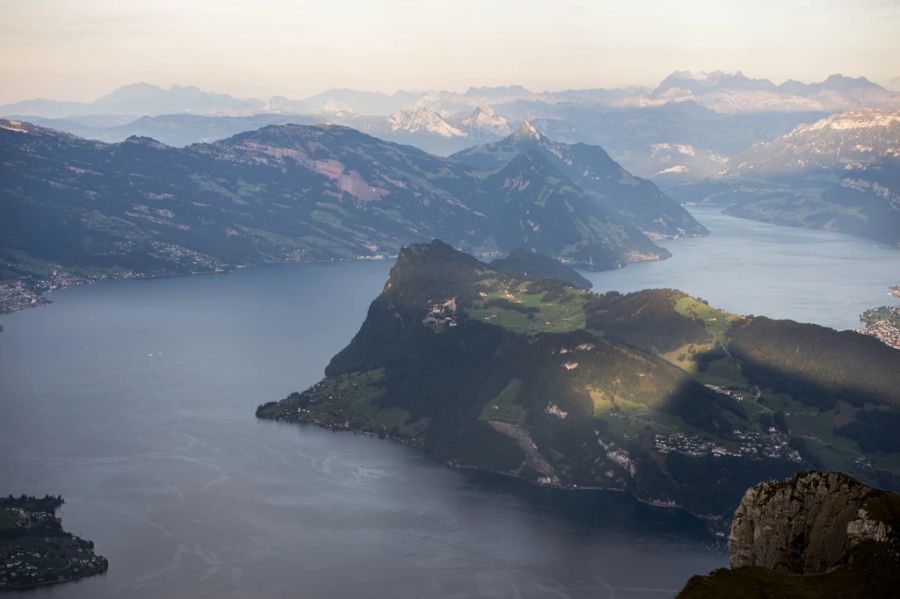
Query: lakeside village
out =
(36, 551)
(750, 444)
(19, 295)
(883, 323)
(30, 291)
(772, 444)
(884, 331)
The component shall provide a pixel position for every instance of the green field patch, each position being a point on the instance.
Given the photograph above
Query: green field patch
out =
(362, 389)
(783, 402)
(606, 402)
(327, 218)
(644, 424)
(754, 408)
(724, 372)
(817, 430)
(508, 304)
(717, 321)
(207, 184)
(687, 356)
(391, 417)
(505, 405)
(246, 189)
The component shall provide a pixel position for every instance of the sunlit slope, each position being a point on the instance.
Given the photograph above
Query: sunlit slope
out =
(653, 392)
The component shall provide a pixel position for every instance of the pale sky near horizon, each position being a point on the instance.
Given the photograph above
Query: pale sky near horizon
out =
(82, 49)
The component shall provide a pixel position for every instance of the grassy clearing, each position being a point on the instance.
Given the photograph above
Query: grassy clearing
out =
(529, 313)
(207, 184)
(686, 357)
(725, 373)
(391, 417)
(606, 403)
(505, 406)
(716, 321)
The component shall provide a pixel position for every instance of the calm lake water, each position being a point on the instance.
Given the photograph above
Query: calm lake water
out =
(134, 400)
(749, 267)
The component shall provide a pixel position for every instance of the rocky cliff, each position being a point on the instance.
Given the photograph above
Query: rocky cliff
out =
(806, 525)
(818, 534)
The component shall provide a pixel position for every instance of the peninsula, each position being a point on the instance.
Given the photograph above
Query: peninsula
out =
(36, 551)
(654, 393)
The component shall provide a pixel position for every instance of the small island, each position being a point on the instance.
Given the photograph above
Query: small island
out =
(36, 551)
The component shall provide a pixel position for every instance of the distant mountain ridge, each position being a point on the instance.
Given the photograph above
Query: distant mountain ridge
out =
(634, 200)
(840, 173)
(717, 89)
(735, 92)
(281, 193)
(717, 114)
(844, 140)
(141, 99)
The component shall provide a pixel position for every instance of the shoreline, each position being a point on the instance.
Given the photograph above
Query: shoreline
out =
(41, 296)
(711, 521)
(38, 294)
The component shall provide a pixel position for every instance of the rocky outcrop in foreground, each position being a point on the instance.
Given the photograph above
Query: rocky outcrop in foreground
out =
(805, 525)
(818, 534)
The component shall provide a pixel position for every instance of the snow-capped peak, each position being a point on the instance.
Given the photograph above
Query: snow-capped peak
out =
(486, 109)
(485, 119)
(423, 119)
(528, 131)
(861, 119)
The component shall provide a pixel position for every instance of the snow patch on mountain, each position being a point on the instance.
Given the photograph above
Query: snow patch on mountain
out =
(686, 149)
(528, 131)
(677, 169)
(422, 119)
(846, 140)
(863, 119)
(485, 120)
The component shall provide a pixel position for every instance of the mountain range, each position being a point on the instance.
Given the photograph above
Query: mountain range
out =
(141, 99)
(841, 141)
(735, 92)
(305, 193)
(805, 167)
(634, 200)
(841, 173)
(723, 92)
(682, 131)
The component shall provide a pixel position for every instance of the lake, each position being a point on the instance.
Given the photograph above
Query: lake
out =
(749, 267)
(134, 400)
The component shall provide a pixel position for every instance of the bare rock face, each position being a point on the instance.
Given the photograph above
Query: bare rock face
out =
(805, 525)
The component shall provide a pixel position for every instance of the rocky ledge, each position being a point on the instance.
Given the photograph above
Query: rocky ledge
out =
(818, 534)
(806, 525)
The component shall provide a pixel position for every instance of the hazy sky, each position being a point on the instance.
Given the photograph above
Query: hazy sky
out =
(80, 49)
